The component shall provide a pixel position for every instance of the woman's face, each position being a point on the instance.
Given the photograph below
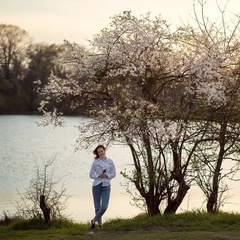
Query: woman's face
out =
(101, 152)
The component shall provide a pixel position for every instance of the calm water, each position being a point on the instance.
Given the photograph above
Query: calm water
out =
(23, 145)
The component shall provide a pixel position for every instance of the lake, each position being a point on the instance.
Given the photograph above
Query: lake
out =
(23, 145)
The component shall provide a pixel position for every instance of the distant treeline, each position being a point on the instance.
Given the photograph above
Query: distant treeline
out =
(23, 63)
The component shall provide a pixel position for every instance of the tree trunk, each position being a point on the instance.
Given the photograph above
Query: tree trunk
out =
(173, 204)
(152, 203)
(45, 209)
(178, 174)
(212, 203)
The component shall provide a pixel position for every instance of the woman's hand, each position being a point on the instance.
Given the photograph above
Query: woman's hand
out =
(103, 175)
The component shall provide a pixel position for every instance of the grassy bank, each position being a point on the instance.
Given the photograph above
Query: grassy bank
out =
(192, 225)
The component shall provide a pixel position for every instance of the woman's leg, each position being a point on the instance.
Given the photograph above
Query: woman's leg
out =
(105, 194)
(96, 191)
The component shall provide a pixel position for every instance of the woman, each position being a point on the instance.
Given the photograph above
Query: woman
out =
(102, 171)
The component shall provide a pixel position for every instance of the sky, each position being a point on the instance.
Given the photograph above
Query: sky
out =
(52, 21)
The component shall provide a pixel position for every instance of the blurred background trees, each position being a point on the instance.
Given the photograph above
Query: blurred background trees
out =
(23, 62)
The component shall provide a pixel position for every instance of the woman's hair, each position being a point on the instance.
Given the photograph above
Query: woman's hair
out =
(95, 151)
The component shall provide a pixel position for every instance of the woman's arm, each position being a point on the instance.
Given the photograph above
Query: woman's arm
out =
(112, 172)
(92, 173)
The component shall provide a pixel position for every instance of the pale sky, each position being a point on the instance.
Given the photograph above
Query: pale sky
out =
(52, 21)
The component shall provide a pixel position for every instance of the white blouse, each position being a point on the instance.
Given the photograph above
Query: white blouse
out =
(102, 166)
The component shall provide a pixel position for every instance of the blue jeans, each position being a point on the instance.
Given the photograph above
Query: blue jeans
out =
(101, 195)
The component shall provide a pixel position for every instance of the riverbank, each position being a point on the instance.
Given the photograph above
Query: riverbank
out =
(189, 225)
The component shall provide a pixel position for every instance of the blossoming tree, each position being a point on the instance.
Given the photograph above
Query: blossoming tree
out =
(215, 80)
(150, 89)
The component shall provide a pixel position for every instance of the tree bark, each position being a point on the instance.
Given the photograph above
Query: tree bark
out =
(45, 209)
(173, 204)
(152, 202)
(212, 203)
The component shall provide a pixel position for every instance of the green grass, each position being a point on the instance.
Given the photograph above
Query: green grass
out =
(189, 225)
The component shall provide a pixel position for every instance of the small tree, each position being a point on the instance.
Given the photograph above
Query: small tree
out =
(42, 199)
(215, 71)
